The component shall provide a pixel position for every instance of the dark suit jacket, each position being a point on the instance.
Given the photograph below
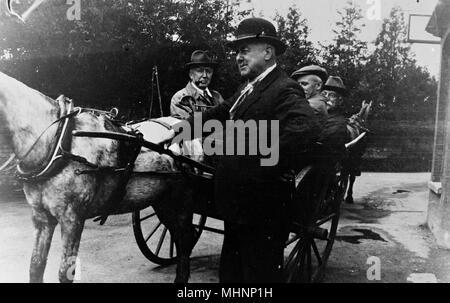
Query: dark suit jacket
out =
(245, 191)
(335, 135)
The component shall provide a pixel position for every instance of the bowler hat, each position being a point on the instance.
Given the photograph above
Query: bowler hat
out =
(335, 83)
(258, 29)
(311, 70)
(200, 58)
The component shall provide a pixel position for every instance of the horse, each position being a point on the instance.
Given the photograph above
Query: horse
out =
(352, 163)
(52, 163)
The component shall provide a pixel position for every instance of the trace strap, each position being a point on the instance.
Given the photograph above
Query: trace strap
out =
(5, 165)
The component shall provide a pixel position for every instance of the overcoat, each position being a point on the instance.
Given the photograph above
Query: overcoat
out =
(245, 191)
(189, 100)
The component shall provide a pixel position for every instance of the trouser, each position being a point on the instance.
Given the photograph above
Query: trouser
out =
(253, 253)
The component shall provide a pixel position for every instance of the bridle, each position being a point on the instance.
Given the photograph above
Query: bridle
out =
(67, 112)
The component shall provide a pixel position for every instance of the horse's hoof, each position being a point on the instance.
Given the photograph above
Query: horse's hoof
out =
(349, 200)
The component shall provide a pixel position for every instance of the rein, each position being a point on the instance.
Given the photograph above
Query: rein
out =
(4, 167)
(63, 133)
(74, 113)
(60, 156)
(56, 154)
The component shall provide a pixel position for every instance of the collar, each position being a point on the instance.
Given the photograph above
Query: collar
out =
(263, 74)
(251, 84)
(200, 91)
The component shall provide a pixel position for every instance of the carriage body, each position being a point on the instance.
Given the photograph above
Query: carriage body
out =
(317, 192)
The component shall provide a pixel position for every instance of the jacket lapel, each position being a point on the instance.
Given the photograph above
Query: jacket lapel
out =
(256, 93)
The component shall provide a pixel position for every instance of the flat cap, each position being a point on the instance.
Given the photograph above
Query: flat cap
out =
(311, 70)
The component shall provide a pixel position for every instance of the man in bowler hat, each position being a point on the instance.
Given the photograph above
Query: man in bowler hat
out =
(251, 198)
(196, 96)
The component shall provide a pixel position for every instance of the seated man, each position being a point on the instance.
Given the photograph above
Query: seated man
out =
(196, 96)
(335, 131)
(338, 130)
(311, 79)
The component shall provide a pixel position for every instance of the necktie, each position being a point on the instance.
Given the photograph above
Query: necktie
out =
(245, 92)
(207, 98)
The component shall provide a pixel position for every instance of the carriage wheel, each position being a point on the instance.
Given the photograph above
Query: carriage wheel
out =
(318, 198)
(154, 239)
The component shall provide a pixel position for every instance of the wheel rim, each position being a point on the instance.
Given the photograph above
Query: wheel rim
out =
(309, 247)
(154, 239)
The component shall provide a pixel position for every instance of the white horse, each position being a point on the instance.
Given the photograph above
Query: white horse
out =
(59, 193)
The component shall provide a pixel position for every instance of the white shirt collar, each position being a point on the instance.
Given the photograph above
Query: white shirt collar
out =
(201, 91)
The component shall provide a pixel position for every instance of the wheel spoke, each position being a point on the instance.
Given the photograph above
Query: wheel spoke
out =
(297, 253)
(326, 219)
(294, 267)
(146, 217)
(153, 231)
(293, 239)
(292, 254)
(316, 252)
(302, 263)
(161, 240)
(171, 247)
(308, 263)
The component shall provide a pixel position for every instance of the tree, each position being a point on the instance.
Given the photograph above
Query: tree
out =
(293, 30)
(347, 55)
(106, 58)
(398, 86)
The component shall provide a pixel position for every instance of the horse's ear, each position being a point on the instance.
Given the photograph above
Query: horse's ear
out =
(367, 109)
(369, 106)
(363, 107)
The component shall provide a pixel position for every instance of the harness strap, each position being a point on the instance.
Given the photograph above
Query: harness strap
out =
(58, 147)
(120, 191)
(5, 165)
(69, 115)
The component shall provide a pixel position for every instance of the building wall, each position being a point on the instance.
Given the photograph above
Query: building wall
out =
(438, 219)
(441, 116)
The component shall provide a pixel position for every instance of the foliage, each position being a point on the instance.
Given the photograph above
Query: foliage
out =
(106, 58)
(294, 31)
(399, 87)
(347, 55)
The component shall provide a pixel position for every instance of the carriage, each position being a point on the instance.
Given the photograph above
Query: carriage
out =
(317, 192)
(69, 178)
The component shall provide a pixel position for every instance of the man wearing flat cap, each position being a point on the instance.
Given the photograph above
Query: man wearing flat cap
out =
(250, 197)
(196, 96)
(312, 78)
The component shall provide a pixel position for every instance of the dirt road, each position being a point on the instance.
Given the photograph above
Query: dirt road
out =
(386, 222)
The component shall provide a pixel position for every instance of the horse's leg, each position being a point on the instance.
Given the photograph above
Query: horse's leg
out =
(349, 198)
(186, 239)
(179, 222)
(44, 224)
(71, 228)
